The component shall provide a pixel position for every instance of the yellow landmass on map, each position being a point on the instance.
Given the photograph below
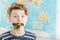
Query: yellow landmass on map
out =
(37, 2)
(20, 1)
(43, 17)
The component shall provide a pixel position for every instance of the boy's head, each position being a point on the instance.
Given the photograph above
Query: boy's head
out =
(17, 14)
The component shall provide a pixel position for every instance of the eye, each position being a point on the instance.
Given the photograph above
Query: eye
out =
(15, 16)
(22, 16)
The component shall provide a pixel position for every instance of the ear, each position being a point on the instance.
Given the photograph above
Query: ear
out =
(8, 17)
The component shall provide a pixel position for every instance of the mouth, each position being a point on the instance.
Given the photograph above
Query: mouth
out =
(17, 25)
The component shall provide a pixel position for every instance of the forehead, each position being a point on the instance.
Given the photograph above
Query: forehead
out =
(17, 11)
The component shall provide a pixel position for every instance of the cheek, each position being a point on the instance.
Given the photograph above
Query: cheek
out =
(13, 20)
(25, 19)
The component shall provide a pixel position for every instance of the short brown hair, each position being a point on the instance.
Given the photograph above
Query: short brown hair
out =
(17, 6)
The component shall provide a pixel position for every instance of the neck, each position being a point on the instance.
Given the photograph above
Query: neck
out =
(18, 32)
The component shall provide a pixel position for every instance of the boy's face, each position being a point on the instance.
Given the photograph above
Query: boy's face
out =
(18, 16)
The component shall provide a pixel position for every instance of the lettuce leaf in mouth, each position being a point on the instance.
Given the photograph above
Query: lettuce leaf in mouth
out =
(17, 25)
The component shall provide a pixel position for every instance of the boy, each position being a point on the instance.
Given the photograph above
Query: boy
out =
(17, 15)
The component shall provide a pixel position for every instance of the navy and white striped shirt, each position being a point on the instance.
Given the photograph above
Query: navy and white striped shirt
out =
(26, 36)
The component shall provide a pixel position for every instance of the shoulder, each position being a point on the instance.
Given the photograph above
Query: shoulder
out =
(30, 35)
(5, 35)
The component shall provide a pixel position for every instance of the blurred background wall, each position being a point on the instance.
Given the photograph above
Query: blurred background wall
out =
(41, 18)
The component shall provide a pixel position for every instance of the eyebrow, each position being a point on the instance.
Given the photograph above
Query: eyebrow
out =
(14, 13)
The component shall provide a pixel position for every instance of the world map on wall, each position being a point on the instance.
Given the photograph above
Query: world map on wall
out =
(42, 15)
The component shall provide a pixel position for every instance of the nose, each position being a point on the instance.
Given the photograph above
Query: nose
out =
(19, 18)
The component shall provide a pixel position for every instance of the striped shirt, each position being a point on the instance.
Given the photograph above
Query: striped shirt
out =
(26, 36)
